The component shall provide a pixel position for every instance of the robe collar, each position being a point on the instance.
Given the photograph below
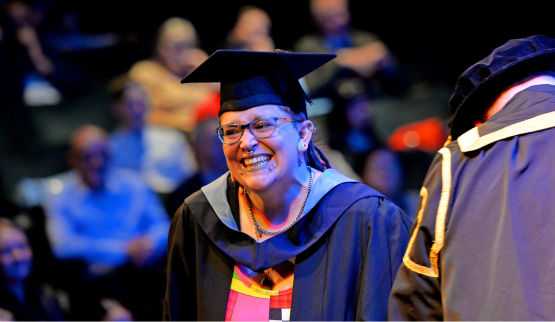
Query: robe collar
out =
(328, 203)
(529, 111)
(215, 193)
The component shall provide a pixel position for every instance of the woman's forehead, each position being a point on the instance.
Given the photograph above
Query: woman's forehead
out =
(245, 116)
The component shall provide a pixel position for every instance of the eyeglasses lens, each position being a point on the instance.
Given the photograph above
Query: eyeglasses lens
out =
(261, 128)
(230, 133)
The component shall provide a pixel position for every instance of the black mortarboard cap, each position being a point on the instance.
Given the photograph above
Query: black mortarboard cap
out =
(483, 82)
(251, 78)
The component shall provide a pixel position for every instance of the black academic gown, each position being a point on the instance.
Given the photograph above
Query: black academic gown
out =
(481, 246)
(347, 247)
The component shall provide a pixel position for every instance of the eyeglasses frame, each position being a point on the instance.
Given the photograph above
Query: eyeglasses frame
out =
(243, 126)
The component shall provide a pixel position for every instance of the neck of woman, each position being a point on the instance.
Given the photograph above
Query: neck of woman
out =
(276, 208)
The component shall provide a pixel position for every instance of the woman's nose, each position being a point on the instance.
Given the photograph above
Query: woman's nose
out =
(248, 141)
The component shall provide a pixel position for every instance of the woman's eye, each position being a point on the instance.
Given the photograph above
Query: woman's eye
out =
(230, 132)
(262, 125)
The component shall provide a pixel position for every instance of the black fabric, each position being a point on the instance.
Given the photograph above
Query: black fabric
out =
(250, 79)
(347, 250)
(233, 200)
(497, 258)
(483, 82)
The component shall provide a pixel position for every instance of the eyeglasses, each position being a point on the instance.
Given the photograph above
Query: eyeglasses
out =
(261, 128)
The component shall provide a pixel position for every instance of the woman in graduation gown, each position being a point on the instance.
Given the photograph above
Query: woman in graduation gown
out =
(282, 235)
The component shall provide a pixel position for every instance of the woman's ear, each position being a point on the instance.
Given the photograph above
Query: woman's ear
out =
(305, 135)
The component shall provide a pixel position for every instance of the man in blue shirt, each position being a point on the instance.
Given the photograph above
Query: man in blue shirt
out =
(106, 217)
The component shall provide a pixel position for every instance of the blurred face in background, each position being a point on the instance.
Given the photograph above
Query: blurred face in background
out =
(91, 156)
(331, 16)
(358, 112)
(253, 29)
(383, 172)
(21, 14)
(177, 47)
(134, 105)
(16, 256)
(208, 148)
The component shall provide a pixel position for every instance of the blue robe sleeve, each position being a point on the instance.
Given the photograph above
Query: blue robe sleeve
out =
(387, 242)
(348, 275)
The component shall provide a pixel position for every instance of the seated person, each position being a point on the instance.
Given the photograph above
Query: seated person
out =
(211, 161)
(383, 170)
(162, 154)
(176, 54)
(361, 55)
(107, 218)
(351, 129)
(21, 297)
(252, 31)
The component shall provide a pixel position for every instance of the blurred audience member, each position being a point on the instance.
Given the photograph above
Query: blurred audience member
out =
(45, 78)
(67, 36)
(106, 216)
(383, 171)
(176, 54)
(252, 31)
(162, 154)
(112, 221)
(21, 297)
(211, 161)
(361, 56)
(350, 128)
(29, 74)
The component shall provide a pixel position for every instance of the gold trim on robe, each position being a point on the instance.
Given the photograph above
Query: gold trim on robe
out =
(471, 140)
(433, 271)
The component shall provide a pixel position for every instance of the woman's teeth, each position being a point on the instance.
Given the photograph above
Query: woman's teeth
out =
(256, 162)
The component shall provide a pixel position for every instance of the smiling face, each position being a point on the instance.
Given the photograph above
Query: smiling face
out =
(273, 161)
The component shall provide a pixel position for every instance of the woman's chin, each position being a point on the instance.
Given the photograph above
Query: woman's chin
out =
(257, 180)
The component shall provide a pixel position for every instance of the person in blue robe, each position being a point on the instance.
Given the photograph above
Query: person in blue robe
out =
(481, 245)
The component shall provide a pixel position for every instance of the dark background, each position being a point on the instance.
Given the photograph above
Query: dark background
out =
(434, 44)
(441, 41)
